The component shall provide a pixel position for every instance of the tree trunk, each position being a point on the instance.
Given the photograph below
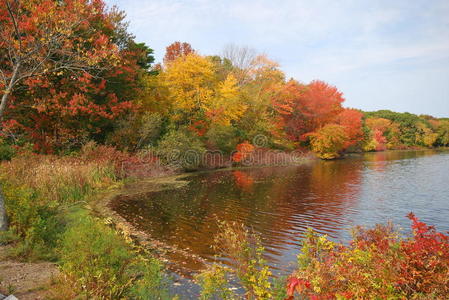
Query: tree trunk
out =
(8, 90)
(5, 97)
(3, 216)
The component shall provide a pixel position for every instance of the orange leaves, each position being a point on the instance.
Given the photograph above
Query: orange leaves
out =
(305, 108)
(177, 49)
(243, 150)
(351, 119)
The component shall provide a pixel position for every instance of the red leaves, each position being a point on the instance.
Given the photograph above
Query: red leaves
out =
(426, 264)
(295, 284)
(378, 263)
(177, 49)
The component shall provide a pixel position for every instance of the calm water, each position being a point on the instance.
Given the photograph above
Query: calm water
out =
(280, 203)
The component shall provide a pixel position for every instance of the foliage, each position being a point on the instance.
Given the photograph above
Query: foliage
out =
(245, 252)
(443, 133)
(180, 148)
(329, 141)
(243, 150)
(6, 151)
(222, 137)
(351, 119)
(137, 131)
(377, 263)
(176, 50)
(78, 71)
(190, 82)
(99, 264)
(306, 108)
(227, 106)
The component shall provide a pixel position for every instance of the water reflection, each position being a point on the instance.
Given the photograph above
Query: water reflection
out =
(281, 202)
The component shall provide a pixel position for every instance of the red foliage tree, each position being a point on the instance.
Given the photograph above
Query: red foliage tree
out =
(72, 86)
(177, 49)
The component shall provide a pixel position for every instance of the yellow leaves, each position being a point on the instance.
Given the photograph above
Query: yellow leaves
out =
(194, 91)
(189, 80)
(329, 141)
(227, 105)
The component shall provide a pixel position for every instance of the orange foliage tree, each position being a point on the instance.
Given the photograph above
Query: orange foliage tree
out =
(177, 49)
(351, 120)
(306, 108)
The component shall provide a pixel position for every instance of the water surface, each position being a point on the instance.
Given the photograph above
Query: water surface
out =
(280, 203)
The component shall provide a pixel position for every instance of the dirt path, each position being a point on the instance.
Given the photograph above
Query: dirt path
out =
(27, 281)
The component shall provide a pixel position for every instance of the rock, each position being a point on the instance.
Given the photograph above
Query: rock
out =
(10, 297)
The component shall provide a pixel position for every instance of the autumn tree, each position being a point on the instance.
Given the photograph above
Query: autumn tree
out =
(329, 141)
(190, 83)
(443, 133)
(264, 81)
(67, 69)
(425, 135)
(176, 50)
(351, 120)
(227, 105)
(41, 37)
(306, 108)
(195, 93)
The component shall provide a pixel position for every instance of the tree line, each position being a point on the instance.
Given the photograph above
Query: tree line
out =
(71, 73)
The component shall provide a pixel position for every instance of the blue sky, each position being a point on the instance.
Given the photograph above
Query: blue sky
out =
(391, 54)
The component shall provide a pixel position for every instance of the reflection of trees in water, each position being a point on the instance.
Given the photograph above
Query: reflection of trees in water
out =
(280, 203)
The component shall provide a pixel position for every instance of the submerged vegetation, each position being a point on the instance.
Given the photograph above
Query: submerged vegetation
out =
(83, 104)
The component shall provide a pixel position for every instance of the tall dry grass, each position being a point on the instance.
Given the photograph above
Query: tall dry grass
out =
(59, 180)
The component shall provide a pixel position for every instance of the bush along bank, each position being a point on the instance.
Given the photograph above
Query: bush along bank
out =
(47, 201)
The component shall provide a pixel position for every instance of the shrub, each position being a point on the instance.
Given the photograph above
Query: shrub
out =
(181, 149)
(6, 151)
(137, 131)
(378, 264)
(37, 225)
(100, 264)
(245, 252)
(222, 137)
(329, 141)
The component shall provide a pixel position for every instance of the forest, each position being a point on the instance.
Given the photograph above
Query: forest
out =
(80, 97)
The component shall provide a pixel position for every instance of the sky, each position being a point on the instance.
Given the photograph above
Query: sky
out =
(382, 54)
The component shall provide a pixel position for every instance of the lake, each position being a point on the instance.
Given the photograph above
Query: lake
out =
(280, 203)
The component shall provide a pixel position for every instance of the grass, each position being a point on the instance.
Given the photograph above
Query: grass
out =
(46, 200)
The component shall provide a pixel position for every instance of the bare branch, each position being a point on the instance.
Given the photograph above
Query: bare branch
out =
(13, 18)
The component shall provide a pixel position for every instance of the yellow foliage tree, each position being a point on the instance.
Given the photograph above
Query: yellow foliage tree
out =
(329, 141)
(425, 135)
(227, 105)
(190, 82)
